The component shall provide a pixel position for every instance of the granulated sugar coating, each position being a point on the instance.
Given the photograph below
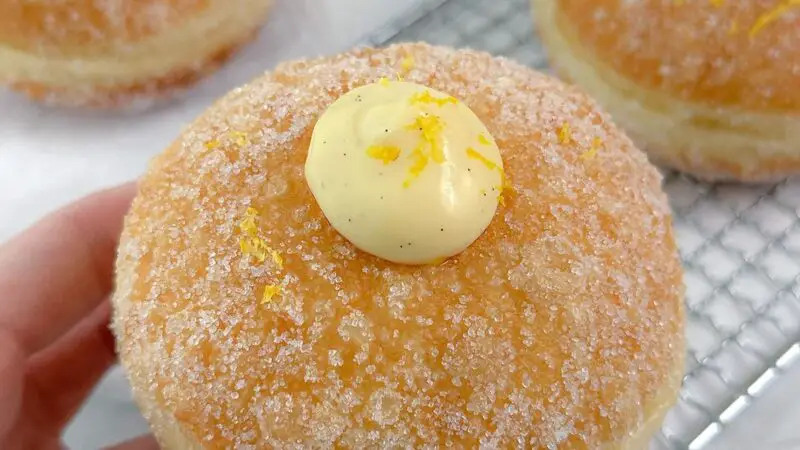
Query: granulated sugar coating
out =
(68, 28)
(741, 53)
(119, 53)
(708, 87)
(560, 327)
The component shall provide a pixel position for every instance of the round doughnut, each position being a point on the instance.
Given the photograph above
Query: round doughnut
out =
(561, 326)
(109, 54)
(708, 87)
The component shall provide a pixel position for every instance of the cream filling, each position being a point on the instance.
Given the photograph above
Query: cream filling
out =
(217, 27)
(662, 124)
(404, 172)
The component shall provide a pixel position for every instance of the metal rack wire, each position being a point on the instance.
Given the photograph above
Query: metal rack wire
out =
(740, 245)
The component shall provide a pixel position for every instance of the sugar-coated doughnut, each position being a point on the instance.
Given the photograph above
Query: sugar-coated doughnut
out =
(709, 87)
(109, 54)
(244, 319)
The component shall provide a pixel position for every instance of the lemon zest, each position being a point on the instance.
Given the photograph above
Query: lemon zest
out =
(597, 143)
(474, 154)
(248, 224)
(407, 63)
(385, 153)
(384, 82)
(240, 138)
(419, 164)
(427, 98)
(504, 186)
(252, 245)
(270, 291)
(212, 144)
(276, 258)
(565, 134)
(771, 16)
(430, 127)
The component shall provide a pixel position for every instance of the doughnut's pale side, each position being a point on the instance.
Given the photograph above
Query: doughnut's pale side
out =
(83, 54)
(687, 81)
(560, 327)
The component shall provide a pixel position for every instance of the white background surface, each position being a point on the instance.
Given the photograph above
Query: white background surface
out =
(48, 158)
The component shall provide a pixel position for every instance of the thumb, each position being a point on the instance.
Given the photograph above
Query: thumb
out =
(12, 363)
(140, 443)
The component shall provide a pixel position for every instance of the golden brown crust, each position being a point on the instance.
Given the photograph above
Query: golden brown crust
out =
(561, 327)
(120, 96)
(712, 142)
(704, 51)
(684, 149)
(69, 28)
(82, 53)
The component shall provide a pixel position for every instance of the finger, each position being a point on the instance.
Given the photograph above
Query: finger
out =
(140, 443)
(12, 364)
(59, 270)
(65, 373)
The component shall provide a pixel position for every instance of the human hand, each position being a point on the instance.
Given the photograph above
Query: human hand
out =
(55, 344)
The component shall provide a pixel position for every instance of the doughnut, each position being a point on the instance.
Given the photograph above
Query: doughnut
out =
(402, 247)
(709, 87)
(113, 54)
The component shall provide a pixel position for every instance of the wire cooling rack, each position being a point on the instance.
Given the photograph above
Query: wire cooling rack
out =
(740, 246)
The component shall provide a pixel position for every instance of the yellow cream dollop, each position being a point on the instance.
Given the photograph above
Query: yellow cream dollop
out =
(405, 172)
